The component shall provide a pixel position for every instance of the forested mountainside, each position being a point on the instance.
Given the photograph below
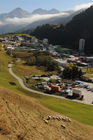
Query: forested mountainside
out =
(81, 26)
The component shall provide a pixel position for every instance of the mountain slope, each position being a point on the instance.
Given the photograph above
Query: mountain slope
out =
(18, 12)
(58, 19)
(81, 26)
(7, 20)
(22, 117)
(19, 17)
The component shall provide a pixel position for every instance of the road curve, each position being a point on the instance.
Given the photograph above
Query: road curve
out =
(34, 91)
(24, 87)
(21, 81)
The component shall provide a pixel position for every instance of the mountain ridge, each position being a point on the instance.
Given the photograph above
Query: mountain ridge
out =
(19, 19)
(44, 11)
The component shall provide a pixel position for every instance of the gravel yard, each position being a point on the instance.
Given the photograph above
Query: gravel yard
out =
(88, 95)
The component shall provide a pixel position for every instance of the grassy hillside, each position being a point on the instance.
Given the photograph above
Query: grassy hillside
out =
(5, 77)
(89, 72)
(21, 69)
(80, 112)
(22, 118)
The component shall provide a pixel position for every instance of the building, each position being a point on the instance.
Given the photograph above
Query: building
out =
(89, 59)
(55, 88)
(81, 46)
(61, 62)
(77, 93)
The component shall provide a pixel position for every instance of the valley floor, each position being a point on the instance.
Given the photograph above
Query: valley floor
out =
(22, 117)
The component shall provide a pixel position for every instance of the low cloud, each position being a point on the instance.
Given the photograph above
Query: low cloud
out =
(83, 6)
(33, 18)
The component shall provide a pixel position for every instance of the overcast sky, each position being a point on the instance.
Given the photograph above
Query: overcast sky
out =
(30, 5)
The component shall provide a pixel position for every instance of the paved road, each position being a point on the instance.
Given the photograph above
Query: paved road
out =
(34, 91)
(21, 81)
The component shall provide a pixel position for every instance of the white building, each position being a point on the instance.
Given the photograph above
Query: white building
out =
(81, 46)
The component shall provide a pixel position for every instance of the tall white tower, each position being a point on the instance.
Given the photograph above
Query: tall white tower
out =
(81, 46)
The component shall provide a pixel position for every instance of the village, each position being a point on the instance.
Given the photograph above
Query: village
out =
(20, 46)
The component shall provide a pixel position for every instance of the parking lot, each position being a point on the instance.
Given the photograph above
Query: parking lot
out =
(88, 93)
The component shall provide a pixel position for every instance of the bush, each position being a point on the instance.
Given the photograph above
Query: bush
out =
(43, 60)
(72, 72)
(31, 61)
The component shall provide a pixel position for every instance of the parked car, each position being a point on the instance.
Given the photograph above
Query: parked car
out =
(68, 91)
(85, 86)
(78, 82)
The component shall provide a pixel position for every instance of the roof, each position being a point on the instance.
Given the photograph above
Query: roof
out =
(76, 91)
(55, 86)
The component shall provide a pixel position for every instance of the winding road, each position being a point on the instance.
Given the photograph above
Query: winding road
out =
(35, 91)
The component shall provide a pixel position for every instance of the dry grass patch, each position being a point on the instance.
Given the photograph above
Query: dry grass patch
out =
(24, 119)
(89, 72)
(23, 70)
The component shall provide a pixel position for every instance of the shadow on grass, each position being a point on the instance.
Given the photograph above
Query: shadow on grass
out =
(73, 98)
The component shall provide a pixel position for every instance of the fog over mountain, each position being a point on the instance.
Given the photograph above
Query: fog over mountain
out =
(19, 18)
